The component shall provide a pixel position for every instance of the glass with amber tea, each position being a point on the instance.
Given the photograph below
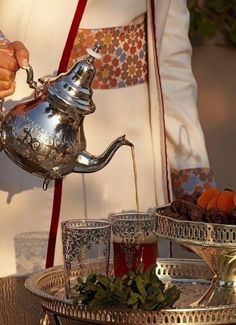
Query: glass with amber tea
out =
(134, 241)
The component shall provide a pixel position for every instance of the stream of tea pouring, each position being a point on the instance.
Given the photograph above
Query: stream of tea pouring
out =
(139, 234)
(134, 242)
(135, 172)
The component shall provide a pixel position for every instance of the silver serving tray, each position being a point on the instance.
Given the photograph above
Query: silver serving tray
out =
(192, 276)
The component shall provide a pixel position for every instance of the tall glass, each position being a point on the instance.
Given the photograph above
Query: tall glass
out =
(86, 249)
(134, 241)
(31, 251)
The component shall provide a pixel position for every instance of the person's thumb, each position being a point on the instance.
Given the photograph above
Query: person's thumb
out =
(21, 53)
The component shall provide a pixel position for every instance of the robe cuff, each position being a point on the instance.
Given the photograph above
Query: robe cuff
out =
(186, 181)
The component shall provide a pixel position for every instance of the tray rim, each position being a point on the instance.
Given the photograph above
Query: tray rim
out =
(32, 279)
(161, 207)
(210, 228)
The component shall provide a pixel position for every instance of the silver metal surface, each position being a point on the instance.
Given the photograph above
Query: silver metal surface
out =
(192, 276)
(197, 233)
(2, 113)
(216, 245)
(45, 136)
(73, 89)
(83, 241)
(133, 227)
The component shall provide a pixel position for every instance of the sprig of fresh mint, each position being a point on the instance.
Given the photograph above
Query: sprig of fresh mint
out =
(136, 290)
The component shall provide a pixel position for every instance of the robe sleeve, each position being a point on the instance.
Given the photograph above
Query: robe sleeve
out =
(187, 153)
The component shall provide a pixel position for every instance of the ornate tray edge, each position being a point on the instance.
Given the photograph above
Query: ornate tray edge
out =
(212, 230)
(33, 281)
(191, 315)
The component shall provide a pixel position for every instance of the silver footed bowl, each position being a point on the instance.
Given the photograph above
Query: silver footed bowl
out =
(215, 244)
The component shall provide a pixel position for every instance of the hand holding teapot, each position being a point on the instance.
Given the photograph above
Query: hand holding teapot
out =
(13, 56)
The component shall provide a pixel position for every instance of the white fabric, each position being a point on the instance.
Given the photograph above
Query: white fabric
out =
(43, 27)
(186, 148)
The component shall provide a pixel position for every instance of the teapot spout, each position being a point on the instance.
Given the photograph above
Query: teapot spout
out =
(87, 163)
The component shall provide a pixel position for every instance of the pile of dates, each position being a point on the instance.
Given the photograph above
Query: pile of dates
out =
(211, 206)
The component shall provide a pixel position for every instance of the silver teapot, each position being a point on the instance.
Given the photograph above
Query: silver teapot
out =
(45, 135)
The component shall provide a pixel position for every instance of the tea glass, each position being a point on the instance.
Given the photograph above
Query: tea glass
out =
(86, 250)
(134, 241)
(31, 251)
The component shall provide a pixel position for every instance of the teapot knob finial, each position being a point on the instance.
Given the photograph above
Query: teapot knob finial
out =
(94, 52)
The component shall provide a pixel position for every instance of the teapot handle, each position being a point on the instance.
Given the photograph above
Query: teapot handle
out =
(32, 84)
(30, 80)
(2, 113)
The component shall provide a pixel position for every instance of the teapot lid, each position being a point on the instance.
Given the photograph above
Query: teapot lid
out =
(71, 91)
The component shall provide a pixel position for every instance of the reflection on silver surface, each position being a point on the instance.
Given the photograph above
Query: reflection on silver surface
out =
(191, 275)
(45, 135)
(216, 245)
(85, 243)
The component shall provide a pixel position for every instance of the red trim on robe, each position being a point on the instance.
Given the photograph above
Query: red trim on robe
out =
(58, 182)
(54, 222)
(162, 100)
